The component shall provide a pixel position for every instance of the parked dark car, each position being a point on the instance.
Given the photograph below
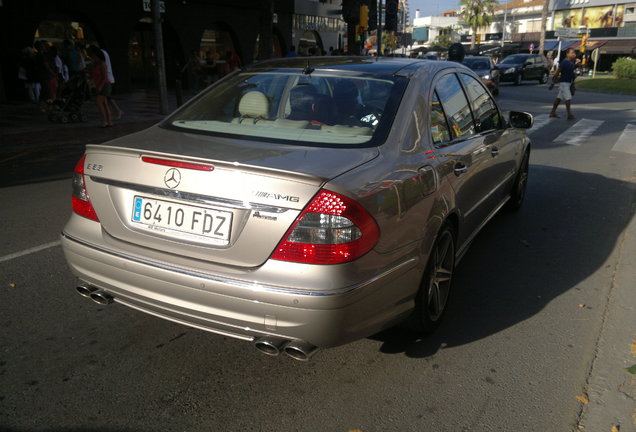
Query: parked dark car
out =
(521, 67)
(487, 71)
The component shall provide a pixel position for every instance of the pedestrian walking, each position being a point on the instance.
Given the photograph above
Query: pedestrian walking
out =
(564, 77)
(99, 74)
(292, 52)
(192, 69)
(111, 79)
(72, 56)
(456, 52)
(46, 71)
(27, 73)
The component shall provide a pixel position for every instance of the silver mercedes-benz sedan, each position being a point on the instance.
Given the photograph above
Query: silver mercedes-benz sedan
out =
(299, 203)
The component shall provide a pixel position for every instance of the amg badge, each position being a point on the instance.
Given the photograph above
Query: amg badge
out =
(269, 195)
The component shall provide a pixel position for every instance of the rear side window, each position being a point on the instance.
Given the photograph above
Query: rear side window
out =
(455, 105)
(484, 108)
(439, 126)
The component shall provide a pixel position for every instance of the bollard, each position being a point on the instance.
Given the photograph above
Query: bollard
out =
(179, 92)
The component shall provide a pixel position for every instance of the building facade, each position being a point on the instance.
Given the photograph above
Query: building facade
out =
(317, 26)
(124, 29)
(426, 30)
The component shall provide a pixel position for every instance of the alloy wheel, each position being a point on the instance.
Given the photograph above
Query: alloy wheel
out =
(442, 263)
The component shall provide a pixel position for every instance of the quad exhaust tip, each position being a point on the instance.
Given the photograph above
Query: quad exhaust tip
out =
(300, 350)
(99, 296)
(270, 346)
(297, 349)
(85, 290)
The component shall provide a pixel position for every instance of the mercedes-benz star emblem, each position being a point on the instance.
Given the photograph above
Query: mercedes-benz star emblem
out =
(172, 178)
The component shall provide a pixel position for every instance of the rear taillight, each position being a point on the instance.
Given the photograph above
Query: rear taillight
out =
(81, 203)
(332, 229)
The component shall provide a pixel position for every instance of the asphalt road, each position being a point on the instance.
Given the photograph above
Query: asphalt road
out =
(534, 307)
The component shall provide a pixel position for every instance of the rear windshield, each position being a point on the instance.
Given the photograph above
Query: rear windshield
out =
(477, 63)
(319, 108)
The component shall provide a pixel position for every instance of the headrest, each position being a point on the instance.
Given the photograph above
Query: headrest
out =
(254, 104)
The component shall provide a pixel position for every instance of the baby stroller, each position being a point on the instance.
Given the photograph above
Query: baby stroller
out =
(68, 106)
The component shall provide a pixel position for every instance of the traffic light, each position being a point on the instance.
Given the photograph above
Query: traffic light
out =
(583, 41)
(364, 17)
(390, 15)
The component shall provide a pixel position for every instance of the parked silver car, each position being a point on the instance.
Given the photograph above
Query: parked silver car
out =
(299, 203)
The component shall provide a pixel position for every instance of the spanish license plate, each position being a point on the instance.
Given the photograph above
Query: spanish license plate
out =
(202, 223)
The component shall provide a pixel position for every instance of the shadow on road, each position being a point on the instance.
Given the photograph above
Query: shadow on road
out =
(567, 229)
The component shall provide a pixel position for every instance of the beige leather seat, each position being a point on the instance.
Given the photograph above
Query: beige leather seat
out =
(253, 107)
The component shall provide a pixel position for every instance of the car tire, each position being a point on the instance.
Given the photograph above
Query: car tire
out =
(544, 78)
(435, 288)
(518, 79)
(518, 191)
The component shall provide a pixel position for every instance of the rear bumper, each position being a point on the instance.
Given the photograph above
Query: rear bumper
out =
(247, 309)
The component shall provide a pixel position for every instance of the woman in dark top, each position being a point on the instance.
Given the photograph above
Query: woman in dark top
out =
(99, 73)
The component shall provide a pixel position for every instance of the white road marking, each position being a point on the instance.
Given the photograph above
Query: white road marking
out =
(30, 251)
(580, 132)
(540, 121)
(627, 141)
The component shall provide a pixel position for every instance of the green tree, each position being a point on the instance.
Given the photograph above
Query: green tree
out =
(477, 13)
(444, 39)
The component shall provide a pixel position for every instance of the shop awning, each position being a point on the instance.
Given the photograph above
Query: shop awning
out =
(549, 46)
(625, 46)
(589, 45)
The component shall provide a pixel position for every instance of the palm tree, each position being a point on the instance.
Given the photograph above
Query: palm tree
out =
(477, 13)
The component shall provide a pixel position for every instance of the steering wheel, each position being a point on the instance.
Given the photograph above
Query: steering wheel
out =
(371, 116)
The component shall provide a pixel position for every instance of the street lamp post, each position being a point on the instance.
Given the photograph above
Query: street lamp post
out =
(503, 30)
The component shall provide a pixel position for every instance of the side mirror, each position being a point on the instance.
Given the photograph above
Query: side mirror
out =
(521, 120)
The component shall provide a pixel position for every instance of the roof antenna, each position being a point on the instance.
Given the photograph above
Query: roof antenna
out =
(308, 69)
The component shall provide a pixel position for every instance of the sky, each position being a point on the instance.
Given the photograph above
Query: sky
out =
(431, 7)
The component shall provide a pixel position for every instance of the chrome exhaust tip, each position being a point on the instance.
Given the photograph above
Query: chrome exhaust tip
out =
(101, 297)
(300, 350)
(86, 290)
(270, 346)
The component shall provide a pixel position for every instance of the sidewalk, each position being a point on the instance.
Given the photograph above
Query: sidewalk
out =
(138, 106)
(32, 148)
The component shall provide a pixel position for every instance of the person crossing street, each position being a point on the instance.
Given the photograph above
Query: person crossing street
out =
(565, 79)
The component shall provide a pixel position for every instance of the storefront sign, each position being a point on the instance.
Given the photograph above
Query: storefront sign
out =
(566, 33)
(147, 5)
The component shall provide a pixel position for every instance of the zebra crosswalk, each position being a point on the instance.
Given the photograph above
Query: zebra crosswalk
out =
(580, 132)
(627, 141)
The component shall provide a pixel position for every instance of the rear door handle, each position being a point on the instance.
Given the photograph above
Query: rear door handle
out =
(460, 169)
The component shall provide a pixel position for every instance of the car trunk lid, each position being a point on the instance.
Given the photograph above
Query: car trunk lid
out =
(216, 200)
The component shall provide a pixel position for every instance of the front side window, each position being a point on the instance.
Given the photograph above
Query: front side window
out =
(321, 108)
(455, 106)
(484, 108)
